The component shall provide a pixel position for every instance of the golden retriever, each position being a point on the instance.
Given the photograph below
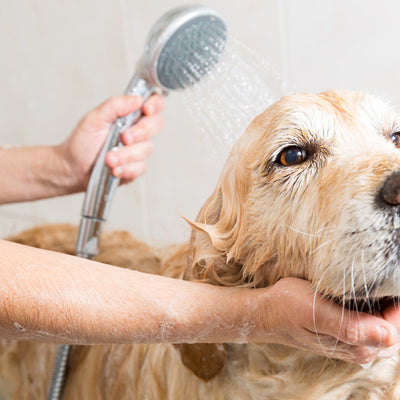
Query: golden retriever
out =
(311, 190)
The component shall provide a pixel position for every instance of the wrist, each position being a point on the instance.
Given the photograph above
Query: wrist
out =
(69, 177)
(255, 317)
(33, 173)
(238, 315)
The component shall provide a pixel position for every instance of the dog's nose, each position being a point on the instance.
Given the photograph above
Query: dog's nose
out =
(391, 189)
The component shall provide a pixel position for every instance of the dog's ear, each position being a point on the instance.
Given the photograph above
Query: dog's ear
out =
(205, 360)
(222, 217)
(218, 241)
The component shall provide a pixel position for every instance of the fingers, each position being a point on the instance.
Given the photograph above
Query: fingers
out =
(330, 347)
(153, 105)
(353, 327)
(144, 129)
(347, 352)
(115, 107)
(347, 346)
(150, 124)
(303, 319)
(120, 106)
(303, 309)
(392, 315)
(129, 162)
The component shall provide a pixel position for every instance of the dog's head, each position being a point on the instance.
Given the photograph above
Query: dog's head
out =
(311, 190)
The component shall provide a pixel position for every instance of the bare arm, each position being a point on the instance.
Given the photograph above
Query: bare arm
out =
(54, 297)
(31, 173)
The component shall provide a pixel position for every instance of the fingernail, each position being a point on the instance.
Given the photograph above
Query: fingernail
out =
(386, 339)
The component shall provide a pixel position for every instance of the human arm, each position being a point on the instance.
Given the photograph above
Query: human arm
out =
(31, 173)
(54, 297)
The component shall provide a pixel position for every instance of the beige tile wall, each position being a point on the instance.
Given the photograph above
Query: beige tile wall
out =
(59, 59)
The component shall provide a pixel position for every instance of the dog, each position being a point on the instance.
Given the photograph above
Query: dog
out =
(311, 190)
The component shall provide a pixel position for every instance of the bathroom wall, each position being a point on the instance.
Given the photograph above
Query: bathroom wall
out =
(61, 58)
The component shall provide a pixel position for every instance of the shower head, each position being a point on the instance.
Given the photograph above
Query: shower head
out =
(182, 47)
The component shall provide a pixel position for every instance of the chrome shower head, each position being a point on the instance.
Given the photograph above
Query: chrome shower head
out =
(183, 46)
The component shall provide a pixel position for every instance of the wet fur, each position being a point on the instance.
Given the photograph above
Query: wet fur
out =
(321, 220)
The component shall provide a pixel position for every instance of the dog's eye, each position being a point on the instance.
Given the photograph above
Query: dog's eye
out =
(292, 156)
(395, 138)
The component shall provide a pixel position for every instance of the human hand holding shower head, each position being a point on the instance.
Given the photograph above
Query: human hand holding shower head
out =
(182, 47)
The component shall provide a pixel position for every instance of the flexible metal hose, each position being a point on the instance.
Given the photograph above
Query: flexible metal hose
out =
(59, 373)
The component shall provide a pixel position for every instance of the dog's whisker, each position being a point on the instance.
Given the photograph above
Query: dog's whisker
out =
(324, 244)
(316, 292)
(353, 291)
(306, 233)
(367, 300)
(373, 284)
(323, 232)
(342, 314)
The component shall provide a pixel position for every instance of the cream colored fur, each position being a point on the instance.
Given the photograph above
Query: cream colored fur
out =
(317, 220)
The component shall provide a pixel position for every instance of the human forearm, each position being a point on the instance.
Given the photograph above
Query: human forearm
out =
(60, 298)
(54, 297)
(31, 173)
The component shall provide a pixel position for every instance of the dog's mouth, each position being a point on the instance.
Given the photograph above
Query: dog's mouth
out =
(373, 306)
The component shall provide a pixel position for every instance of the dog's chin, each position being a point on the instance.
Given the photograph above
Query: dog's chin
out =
(373, 306)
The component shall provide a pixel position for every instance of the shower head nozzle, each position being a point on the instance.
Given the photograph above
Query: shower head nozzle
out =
(183, 46)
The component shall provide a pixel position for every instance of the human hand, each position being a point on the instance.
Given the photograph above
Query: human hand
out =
(299, 318)
(82, 147)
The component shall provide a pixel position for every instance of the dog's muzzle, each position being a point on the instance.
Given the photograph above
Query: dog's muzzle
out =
(390, 191)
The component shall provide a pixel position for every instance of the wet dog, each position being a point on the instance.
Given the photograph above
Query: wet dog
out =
(311, 190)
